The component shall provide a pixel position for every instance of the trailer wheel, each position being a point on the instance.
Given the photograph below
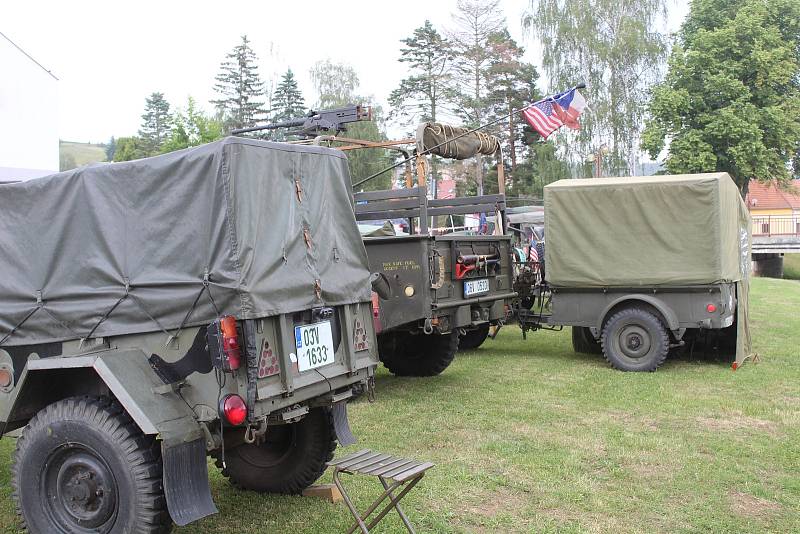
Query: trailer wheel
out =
(82, 465)
(474, 338)
(584, 342)
(292, 457)
(634, 339)
(407, 354)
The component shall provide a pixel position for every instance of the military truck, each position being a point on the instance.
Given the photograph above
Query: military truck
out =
(441, 286)
(213, 301)
(435, 287)
(639, 266)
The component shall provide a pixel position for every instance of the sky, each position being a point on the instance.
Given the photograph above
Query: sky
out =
(110, 56)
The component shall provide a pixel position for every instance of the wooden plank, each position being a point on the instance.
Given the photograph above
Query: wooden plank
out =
(378, 205)
(349, 457)
(411, 473)
(329, 492)
(403, 469)
(394, 464)
(348, 466)
(462, 210)
(461, 201)
(360, 466)
(397, 214)
(390, 193)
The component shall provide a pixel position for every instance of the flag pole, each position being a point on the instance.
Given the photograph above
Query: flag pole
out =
(473, 130)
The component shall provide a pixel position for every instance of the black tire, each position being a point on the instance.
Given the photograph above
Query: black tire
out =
(82, 465)
(474, 338)
(407, 354)
(584, 342)
(291, 459)
(635, 339)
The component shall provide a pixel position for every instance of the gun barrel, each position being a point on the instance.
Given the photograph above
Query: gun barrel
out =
(274, 126)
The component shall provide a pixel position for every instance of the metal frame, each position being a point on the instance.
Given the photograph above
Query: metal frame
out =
(394, 473)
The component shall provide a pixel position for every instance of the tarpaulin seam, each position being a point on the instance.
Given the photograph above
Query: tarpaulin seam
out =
(225, 175)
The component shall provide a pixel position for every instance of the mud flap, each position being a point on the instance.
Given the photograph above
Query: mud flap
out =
(186, 482)
(341, 425)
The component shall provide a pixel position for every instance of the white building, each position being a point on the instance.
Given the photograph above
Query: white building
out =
(28, 115)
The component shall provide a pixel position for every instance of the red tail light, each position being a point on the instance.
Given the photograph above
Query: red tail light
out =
(230, 342)
(223, 344)
(710, 308)
(233, 409)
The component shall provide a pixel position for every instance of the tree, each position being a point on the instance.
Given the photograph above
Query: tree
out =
(240, 88)
(476, 23)
(155, 122)
(731, 98)
(337, 85)
(192, 127)
(427, 89)
(287, 101)
(512, 85)
(130, 148)
(612, 46)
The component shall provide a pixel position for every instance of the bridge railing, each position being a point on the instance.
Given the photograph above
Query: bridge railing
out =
(776, 225)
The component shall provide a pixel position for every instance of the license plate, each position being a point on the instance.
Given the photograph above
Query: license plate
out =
(314, 344)
(476, 287)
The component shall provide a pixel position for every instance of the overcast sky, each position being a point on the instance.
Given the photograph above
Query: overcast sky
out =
(109, 56)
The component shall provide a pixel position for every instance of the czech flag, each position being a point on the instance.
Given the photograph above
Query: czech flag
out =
(550, 114)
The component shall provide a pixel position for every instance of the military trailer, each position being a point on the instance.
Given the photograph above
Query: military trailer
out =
(641, 265)
(213, 301)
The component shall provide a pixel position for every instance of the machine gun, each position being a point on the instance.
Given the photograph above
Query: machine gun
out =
(329, 121)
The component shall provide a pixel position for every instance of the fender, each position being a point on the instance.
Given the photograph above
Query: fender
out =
(155, 408)
(670, 318)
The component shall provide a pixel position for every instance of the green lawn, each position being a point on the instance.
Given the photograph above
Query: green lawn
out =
(530, 437)
(791, 266)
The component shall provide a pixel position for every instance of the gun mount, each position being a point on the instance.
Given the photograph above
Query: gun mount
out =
(315, 123)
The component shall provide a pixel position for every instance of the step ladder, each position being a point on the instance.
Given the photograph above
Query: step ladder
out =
(393, 472)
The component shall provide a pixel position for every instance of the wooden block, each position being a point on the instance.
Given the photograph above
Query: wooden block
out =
(329, 492)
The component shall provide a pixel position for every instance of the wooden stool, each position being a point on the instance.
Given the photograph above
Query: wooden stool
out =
(393, 472)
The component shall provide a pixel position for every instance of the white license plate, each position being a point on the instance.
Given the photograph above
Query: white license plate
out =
(476, 287)
(314, 344)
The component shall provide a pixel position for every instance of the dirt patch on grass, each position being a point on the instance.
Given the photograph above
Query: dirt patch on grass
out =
(736, 423)
(746, 505)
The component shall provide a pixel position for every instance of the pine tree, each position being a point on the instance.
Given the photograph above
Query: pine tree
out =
(156, 123)
(111, 148)
(512, 85)
(287, 103)
(240, 87)
(426, 91)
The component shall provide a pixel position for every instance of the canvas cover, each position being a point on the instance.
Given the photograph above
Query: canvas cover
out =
(649, 231)
(433, 134)
(239, 226)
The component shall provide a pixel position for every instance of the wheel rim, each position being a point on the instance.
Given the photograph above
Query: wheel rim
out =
(278, 445)
(79, 490)
(634, 341)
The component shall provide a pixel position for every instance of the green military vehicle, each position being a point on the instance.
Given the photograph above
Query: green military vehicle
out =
(638, 266)
(441, 286)
(213, 301)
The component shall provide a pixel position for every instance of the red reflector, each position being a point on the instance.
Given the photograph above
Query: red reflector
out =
(234, 409)
(711, 308)
(230, 342)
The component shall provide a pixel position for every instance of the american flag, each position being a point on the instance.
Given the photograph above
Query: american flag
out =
(550, 114)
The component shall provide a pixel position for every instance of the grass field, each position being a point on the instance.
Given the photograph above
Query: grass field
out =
(83, 153)
(531, 437)
(791, 266)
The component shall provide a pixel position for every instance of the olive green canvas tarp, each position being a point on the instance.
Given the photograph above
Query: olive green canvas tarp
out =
(648, 231)
(267, 228)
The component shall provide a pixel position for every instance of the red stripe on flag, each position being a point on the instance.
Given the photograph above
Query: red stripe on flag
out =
(540, 122)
